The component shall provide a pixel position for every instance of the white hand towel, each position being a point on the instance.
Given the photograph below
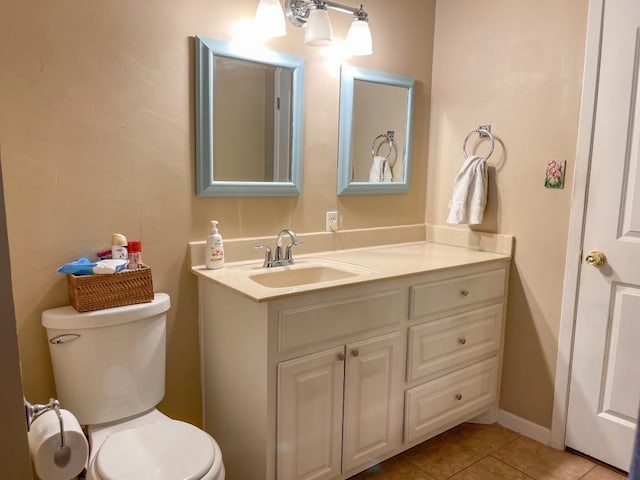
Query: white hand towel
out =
(469, 192)
(380, 170)
(387, 176)
(377, 166)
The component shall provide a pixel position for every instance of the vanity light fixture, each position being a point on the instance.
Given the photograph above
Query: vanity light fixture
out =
(270, 18)
(313, 16)
(359, 34)
(318, 31)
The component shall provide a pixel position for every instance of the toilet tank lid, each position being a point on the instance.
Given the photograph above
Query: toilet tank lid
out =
(65, 318)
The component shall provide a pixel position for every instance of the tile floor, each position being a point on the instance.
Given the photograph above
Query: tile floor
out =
(486, 452)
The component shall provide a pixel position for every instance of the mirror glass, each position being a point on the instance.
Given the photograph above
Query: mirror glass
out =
(375, 132)
(248, 121)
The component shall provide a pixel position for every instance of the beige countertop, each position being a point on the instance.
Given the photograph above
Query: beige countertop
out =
(363, 264)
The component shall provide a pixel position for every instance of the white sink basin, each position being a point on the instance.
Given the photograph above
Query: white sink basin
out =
(306, 273)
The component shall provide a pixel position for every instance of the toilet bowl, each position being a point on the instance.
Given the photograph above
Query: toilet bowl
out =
(109, 369)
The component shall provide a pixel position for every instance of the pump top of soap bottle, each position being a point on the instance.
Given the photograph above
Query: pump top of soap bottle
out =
(214, 256)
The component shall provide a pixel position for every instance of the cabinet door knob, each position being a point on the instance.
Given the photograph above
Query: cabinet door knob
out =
(464, 292)
(355, 352)
(462, 340)
(341, 357)
(458, 396)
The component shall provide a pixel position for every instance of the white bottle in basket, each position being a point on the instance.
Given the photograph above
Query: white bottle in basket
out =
(118, 246)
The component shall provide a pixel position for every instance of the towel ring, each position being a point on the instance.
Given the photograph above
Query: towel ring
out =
(386, 138)
(483, 132)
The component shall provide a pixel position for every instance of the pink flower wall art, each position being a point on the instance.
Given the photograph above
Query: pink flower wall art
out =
(554, 175)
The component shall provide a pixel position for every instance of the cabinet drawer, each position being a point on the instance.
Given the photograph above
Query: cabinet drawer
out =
(319, 323)
(449, 398)
(434, 297)
(441, 344)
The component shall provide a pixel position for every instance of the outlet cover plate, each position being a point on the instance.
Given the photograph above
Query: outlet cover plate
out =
(330, 218)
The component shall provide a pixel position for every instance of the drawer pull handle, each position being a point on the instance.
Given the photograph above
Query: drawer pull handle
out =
(355, 352)
(341, 357)
(464, 292)
(458, 396)
(462, 340)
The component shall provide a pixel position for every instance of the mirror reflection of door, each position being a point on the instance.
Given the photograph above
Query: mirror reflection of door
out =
(377, 109)
(251, 121)
(283, 88)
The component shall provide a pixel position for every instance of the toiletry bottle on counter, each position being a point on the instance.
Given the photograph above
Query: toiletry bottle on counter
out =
(135, 255)
(214, 256)
(118, 246)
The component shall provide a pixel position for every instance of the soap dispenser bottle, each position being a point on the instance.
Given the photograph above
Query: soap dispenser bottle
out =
(214, 256)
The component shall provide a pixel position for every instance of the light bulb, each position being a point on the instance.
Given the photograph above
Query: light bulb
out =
(318, 30)
(270, 19)
(359, 38)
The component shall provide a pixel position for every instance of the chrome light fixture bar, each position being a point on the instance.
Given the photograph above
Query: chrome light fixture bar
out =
(312, 15)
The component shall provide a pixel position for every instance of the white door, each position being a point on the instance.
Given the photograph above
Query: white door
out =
(605, 376)
(310, 391)
(373, 400)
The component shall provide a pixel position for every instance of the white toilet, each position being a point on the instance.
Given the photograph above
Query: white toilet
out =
(109, 369)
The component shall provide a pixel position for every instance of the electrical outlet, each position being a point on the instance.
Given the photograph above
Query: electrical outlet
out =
(331, 222)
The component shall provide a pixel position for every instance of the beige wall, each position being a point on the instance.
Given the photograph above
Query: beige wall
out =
(97, 135)
(518, 67)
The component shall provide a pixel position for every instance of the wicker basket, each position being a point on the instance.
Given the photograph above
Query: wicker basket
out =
(95, 292)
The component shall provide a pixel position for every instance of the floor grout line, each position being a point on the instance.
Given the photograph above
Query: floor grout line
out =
(587, 473)
(518, 436)
(511, 466)
(468, 466)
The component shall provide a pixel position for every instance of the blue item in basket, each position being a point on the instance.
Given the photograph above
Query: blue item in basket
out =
(84, 266)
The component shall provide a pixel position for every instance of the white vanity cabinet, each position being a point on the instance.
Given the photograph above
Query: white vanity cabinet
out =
(339, 408)
(322, 384)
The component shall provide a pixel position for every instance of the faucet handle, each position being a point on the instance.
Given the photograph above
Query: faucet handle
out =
(268, 258)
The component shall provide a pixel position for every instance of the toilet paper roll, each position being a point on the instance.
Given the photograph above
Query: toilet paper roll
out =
(50, 461)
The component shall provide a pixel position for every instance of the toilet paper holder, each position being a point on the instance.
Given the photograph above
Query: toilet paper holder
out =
(34, 410)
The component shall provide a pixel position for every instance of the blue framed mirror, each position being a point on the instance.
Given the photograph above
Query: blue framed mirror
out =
(248, 121)
(374, 144)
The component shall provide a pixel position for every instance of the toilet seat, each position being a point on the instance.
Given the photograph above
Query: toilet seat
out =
(165, 450)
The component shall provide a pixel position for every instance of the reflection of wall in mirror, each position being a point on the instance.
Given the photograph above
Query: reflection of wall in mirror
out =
(243, 96)
(377, 108)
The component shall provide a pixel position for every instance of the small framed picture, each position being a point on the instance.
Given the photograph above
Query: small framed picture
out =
(554, 175)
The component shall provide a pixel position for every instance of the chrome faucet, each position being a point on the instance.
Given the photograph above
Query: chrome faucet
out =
(287, 259)
(279, 259)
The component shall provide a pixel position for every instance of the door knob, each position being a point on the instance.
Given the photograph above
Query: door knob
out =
(596, 258)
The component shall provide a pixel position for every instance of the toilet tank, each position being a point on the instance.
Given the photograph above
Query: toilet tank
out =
(108, 364)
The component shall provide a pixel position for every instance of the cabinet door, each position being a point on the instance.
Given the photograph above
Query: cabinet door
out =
(309, 423)
(373, 400)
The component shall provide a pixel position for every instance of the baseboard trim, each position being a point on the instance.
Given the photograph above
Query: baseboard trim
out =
(524, 427)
